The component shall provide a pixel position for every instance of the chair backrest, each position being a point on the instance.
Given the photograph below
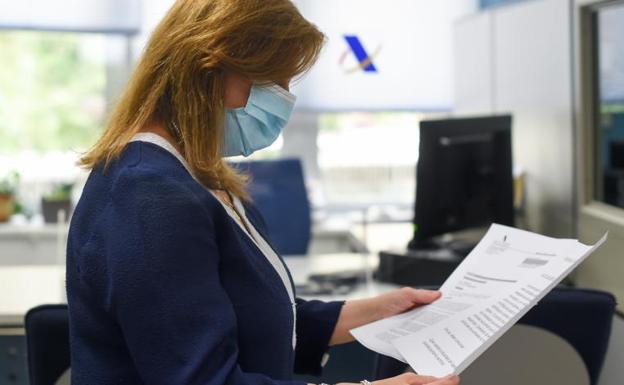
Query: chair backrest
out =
(528, 355)
(279, 193)
(47, 341)
(581, 317)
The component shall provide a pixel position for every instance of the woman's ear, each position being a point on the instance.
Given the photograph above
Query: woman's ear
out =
(236, 89)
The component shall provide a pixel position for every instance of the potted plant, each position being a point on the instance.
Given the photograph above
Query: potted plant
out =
(58, 199)
(8, 188)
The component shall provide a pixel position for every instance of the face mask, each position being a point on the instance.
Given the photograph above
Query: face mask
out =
(259, 123)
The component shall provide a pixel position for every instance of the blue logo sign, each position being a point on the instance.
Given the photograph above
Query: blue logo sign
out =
(365, 61)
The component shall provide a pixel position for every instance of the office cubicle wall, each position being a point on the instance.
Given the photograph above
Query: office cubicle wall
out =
(518, 59)
(605, 269)
(534, 60)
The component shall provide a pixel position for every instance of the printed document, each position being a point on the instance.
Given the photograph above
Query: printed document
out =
(505, 275)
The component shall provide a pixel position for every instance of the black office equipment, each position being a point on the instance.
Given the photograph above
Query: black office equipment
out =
(417, 267)
(464, 181)
(464, 177)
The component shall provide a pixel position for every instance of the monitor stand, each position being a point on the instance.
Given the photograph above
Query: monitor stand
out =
(426, 263)
(456, 247)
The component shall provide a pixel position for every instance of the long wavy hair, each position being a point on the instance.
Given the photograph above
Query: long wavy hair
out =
(180, 77)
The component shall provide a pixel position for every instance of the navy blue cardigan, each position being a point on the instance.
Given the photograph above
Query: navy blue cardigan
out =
(164, 288)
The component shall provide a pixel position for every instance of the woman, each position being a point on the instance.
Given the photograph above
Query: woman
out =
(170, 276)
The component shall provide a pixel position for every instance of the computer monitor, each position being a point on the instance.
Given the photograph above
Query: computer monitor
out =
(464, 177)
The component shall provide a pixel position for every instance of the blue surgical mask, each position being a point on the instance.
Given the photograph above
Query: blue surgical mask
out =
(259, 123)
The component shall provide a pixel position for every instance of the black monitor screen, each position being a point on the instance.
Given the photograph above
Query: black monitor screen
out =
(464, 176)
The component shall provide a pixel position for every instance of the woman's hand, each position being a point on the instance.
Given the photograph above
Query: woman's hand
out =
(402, 300)
(364, 311)
(415, 379)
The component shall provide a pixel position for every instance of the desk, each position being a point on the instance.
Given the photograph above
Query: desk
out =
(301, 267)
(44, 244)
(24, 287)
(32, 244)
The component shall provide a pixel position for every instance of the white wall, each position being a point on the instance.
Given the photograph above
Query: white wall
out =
(517, 59)
(473, 67)
(409, 42)
(534, 81)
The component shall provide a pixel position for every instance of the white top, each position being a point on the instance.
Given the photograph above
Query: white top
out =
(255, 236)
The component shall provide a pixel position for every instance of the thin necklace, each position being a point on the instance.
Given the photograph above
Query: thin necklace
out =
(237, 212)
(176, 131)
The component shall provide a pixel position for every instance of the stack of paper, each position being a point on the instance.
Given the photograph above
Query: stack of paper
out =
(506, 274)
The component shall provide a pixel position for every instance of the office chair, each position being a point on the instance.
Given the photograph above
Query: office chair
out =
(47, 341)
(581, 317)
(279, 193)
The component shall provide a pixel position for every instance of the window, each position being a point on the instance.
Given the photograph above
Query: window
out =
(609, 80)
(54, 91)
(368, 158)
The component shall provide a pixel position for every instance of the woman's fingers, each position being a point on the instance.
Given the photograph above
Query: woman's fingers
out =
(414, 379)
(418, 296)
(448, 380)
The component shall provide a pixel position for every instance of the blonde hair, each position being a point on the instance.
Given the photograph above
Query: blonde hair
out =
(180, 77)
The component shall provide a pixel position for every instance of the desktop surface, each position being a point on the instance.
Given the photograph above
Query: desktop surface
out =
(24, 287)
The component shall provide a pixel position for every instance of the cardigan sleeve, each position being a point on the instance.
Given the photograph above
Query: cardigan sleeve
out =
(165, 293)
(316, 322)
